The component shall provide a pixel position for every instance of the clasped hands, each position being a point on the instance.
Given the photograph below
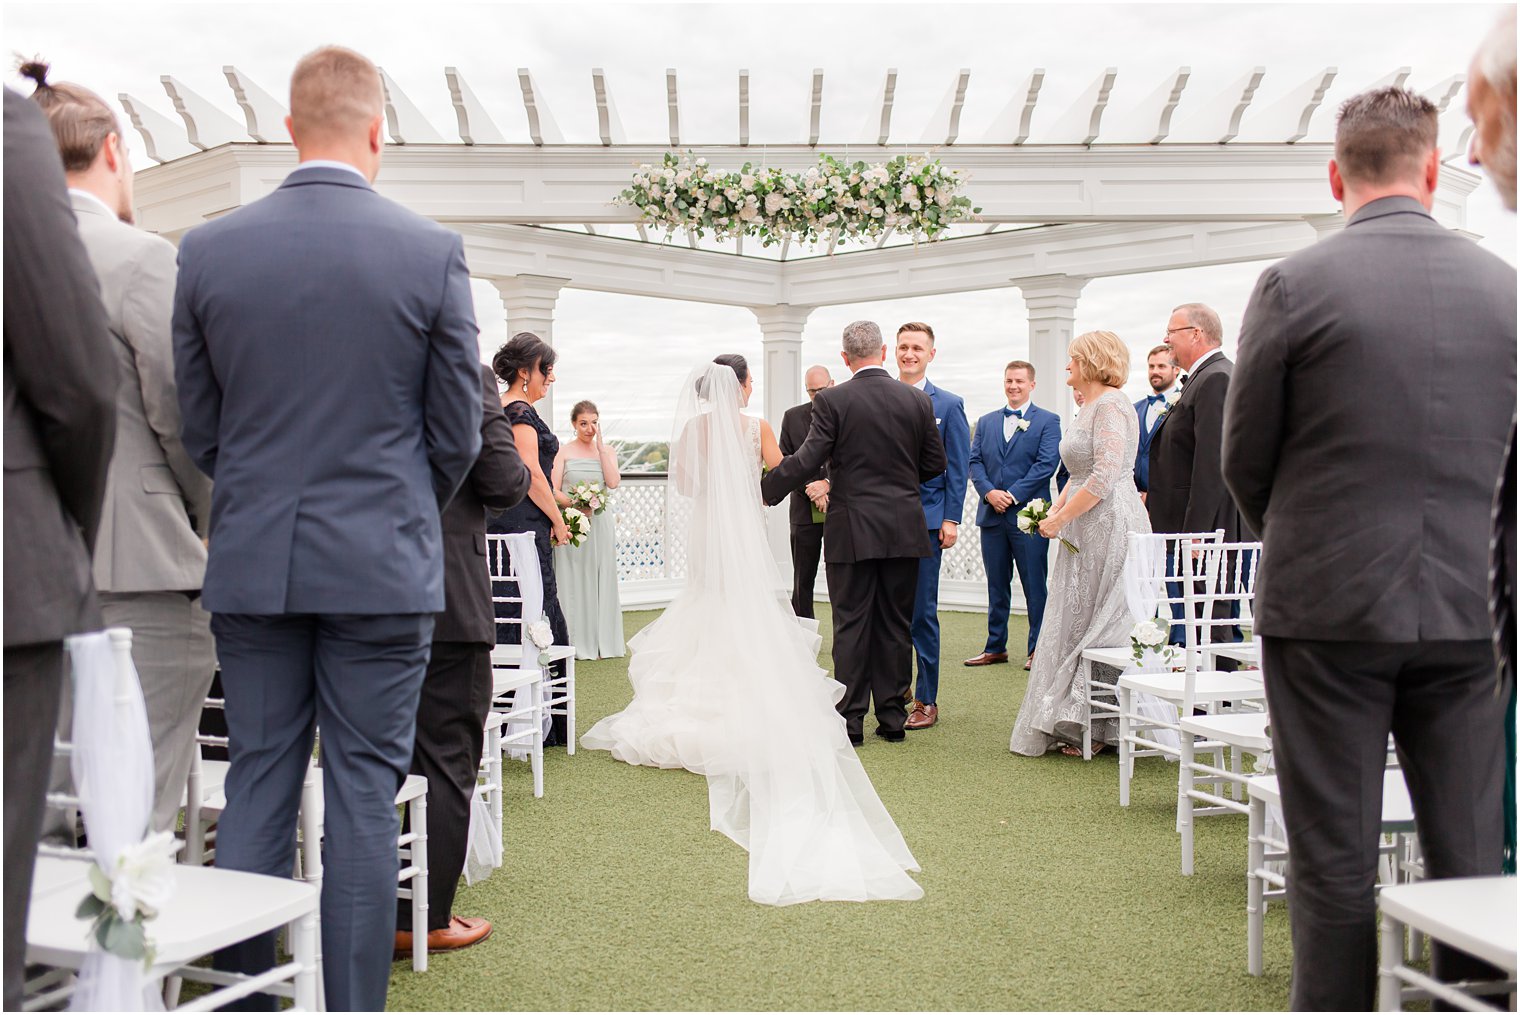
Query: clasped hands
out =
(818, 492)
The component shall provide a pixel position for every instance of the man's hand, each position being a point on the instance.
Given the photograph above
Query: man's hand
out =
(1000, 500)
(948, 531)
(817, 490)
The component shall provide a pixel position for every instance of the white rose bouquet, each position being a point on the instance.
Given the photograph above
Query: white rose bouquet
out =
(590, 498)
(1031, 515)
(578, 524)
(1151, 635)
(541, 635)
(123, 900)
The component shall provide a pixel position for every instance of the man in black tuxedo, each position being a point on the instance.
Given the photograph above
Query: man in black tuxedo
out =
(1374, 510)
(456, 692)
(879, 440)
(807, 534)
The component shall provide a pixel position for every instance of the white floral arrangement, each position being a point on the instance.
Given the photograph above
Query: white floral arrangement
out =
(122, 901)
(1168, 405)
(1021, 425)
(910, 194)
(1031, 515)
(542, 636)
(1152, 635)
(578, 524)
(590, 498)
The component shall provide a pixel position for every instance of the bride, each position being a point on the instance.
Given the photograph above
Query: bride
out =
(707, 673)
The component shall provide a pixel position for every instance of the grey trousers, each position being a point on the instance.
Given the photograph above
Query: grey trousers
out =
(1333, 705)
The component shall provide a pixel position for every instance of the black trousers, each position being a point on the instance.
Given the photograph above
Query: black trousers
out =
(451, 716)
(873, 648)
(1333, 705)
(807, 550)
(33, 684)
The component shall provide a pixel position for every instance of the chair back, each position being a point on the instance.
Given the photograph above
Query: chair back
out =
(1217, 575)
(515, 578)
(1148, 565)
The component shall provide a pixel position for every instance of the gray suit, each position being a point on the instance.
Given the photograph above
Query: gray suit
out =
(1363, 430)
(329, 381)
(59, 388)
(149, 559)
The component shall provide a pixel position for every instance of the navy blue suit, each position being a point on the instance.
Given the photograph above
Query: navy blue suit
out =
(1023, 468)
(944, 500)
(1143, 453)
(329, 381)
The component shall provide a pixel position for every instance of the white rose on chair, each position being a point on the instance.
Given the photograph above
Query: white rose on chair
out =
(578, 524)
(122, 901)
(1151, 635)
(542, 636)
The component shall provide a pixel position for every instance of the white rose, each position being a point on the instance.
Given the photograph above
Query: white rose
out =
(818, 195)
(715, 203)
(773, 203)
(540, 634)
(670, 174)
(747, 182)
(942, 199)
(749, 213)
(877, 213)
(144, 877)
(790, 185)
(854, 177)
(732, 194)
(1024, 524)
(701, 162)
(1149, 634)
(683, 177)
(1035, 506)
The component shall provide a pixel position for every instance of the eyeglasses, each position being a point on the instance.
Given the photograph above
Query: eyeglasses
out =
(814, 391)
(1185, 327)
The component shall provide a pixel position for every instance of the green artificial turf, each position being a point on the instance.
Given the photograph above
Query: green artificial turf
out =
(1041, 892)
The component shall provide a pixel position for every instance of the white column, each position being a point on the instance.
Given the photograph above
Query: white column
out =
(1052, 304)
(781, 353)
(530, 300)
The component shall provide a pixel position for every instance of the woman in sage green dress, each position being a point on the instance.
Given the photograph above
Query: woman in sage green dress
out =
(587, 574)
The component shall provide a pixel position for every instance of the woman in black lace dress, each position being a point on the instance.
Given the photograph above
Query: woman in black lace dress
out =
(526, 366)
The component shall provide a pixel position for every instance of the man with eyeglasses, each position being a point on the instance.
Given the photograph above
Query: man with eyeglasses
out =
(808, 503)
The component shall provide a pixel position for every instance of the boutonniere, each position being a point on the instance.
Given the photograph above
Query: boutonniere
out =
(1168, 406)
(1021, 425)
(936, 421)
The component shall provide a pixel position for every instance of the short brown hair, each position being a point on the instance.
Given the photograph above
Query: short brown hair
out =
(1020, 364)
(80, 119)
(918, 326)
(1163, 347)
(1384, 135)
(1101, 356)
(334, 91)
(583, 407)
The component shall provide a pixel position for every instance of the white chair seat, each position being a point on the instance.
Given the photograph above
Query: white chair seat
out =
(1248, 652)
(1476, 915)
(1119, 656)
(512, 655)
(213, 785)
(1398, 810)
(1246, 730)
(1210, 685)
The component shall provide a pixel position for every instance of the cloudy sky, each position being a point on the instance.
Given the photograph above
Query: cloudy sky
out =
(628, 353)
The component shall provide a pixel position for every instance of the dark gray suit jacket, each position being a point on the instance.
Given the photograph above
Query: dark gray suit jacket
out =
(1365, 428)
(326, 355)
(878, 438)
(795, 423)
(60, 394)
(498, 480)
(1186, 490)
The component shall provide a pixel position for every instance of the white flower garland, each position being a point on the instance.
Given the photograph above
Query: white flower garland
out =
(910, 194)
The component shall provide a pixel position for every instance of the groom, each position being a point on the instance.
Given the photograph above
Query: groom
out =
(879, 440)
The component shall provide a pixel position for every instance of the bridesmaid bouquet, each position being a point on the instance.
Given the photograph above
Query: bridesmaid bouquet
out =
(1032, 514)
(578, 524)
(590, 498)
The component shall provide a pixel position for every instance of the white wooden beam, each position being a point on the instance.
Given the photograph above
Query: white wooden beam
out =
(265, 115)
(163, 139)
(608, 124)
(205, 125)
(673, 106)
(878, 122)
(815, 106)
(1287, 119)
(1394, 79)
(1444, 91)
(1151, 121)
(743, 108)
(541, 126)
(475, 124)
(1081, 123)
(1218, 122)
(405, 121)
(1012, 125)
(1455, 131)
(945, 125)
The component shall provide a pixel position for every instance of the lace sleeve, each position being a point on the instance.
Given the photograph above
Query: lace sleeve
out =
(1113, 446)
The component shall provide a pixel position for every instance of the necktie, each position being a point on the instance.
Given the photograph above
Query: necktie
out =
(1181, 381)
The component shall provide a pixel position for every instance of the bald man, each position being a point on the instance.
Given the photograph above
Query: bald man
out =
(329, 381)
(806, 509)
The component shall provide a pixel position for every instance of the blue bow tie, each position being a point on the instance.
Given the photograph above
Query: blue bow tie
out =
(1013, 412)
(1153, 399)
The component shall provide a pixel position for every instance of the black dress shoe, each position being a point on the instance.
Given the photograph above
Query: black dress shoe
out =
(857, 739)
(889, 736)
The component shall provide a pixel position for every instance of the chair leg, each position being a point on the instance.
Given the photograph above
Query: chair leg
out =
(570, 705)
(303, 947)
(1087, 713)
(418, 810)
(1255, 895)
(1390, 995)
(494, 778)
(536, 752)
(1126, 759)
(1185, 800)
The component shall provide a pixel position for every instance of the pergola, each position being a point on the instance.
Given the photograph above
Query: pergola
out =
(1064, 199)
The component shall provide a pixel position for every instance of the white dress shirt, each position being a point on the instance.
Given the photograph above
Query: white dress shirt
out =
(76, 192)
(1010, 423)
(331, 164)
(1153, 409)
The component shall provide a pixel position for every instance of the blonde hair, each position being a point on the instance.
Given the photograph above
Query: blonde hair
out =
(334, 92)
(1101, 356)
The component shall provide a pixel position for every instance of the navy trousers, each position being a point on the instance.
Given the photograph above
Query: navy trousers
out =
(926, 623)
(1004, 550)
(359, 679)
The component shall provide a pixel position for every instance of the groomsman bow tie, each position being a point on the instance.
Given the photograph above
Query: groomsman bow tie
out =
(1153, 399)
(1013, 412)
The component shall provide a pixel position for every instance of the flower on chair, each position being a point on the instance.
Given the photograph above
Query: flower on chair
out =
(542, 636)
(122, 901)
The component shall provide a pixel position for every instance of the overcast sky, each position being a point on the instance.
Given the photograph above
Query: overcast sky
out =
(628, 353)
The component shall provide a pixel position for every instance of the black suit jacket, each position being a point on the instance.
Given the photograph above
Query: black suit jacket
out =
(60, 393)
(795, 423)
(1366, 426)
(496, 481)
(880, 442)
(1187, 491)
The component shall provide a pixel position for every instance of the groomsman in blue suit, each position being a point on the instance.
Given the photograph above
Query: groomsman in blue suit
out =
(1013, 457)
(944, 498)
(1162, 371)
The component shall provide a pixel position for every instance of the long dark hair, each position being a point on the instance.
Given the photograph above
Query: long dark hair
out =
(521, 354)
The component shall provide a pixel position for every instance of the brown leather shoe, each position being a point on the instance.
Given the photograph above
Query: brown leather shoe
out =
(461, 932)
(923, 717)
(987, 659)
(1029, 661)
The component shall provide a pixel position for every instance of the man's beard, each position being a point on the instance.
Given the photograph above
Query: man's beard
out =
(1159, 387)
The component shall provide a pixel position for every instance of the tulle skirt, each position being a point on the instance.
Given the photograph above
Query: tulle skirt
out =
(737, 696)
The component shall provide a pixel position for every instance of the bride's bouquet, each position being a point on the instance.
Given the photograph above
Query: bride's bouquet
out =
(1031, 515)
(578, 524)
(590, 498)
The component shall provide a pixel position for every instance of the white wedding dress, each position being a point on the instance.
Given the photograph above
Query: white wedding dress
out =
(726, 683)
